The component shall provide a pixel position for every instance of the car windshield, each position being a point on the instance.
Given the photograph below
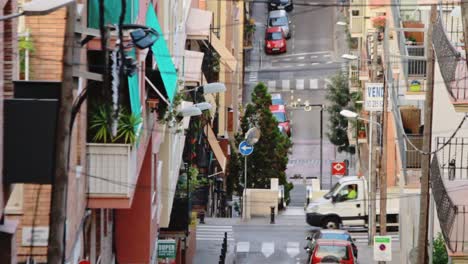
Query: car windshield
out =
(278, 21)
(332, 191)
(274, 36)
(280, 117)
(340, 252)
(335, 236)
(277, 102)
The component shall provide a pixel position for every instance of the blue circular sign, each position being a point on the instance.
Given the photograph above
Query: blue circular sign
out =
(245, 149)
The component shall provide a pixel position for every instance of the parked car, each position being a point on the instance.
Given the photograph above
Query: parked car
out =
(331, 234)
(332, 251)
(275, 40)
(280, 4)
(276, 99)
(279, 112)
(279, 18)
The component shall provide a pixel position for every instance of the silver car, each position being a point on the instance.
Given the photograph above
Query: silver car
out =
(279, 18)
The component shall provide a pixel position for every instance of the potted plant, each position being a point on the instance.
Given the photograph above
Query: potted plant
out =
(378, 22)
(362, 131)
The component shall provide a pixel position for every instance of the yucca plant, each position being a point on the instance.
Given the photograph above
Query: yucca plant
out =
(100, 124)
(128, 125)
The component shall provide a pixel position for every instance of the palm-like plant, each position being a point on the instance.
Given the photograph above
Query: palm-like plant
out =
(128, 127)
(100, 124)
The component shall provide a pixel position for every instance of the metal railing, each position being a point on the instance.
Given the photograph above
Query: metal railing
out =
(453, 158)
(357, 24)
(452, 218)
(452, 66)
(413, 156)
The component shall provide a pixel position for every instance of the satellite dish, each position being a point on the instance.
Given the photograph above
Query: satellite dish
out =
(252, 136)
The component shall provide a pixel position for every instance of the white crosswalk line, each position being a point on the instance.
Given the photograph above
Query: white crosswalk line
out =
(268, 248)
(243, 247)
(300, 84)
(285, 85)
(214, 233)
(313, 84)
(315, 63)
(300, 58)
(292, 249)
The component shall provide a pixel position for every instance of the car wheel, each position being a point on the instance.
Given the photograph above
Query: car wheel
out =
(331, 223)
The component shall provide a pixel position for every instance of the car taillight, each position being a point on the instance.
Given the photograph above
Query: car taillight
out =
(268, 45)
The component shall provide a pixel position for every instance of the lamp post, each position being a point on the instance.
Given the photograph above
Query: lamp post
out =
(371, 206)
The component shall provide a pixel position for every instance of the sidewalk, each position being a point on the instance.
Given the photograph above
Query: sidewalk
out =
(366, 254)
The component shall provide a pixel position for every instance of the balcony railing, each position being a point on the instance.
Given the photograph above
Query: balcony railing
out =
(452, 215)
(111, 170)
(357, 24)
(452, 66)
(453, 158)
(413, 156)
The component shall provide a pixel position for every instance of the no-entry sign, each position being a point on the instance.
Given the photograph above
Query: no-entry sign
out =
(338, 168)
(382, 248)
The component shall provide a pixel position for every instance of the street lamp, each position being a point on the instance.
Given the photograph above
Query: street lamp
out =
(354, 115)
(349, 56)
(251, 137)
(341, 23)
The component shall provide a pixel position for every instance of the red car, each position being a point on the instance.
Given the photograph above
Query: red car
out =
(334, 251)
(279, 112)
(275, 40)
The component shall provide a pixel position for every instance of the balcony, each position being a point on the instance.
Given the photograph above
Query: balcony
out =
(354, 82)
(452, 67)
(357, 23)
(452, 210)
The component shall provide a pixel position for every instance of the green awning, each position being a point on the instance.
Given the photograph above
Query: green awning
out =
(162, 55)
(134, 91)
(112, 10)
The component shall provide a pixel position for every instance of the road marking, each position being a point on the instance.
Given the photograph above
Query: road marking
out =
(214, 233)
(327, 55)
(274, 61)
(313, 83)
(305, 53)
(292, 249)
(313, 57)
(315, 63)
(300, 84)
(268, 248)
(329, 62)
(301, 65)
(285, 85)
(286, 59)
(287, 66)
(243, 247)
(301, 58)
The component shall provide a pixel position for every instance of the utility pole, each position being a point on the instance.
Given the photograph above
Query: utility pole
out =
(58, 208)
(384, 156)
(427, 138)
(372, 179)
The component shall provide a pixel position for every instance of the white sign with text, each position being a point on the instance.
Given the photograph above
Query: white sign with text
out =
(41, 236)
(374, 97)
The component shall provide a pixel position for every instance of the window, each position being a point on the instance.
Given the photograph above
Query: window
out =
(278, 21)
(348, 192)
(280, 117)
(341, 252)
(355, 12)
(274, 36)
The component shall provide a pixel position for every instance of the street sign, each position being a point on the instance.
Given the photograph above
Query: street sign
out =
(245, 149)
(338, 168)
(382, 248)
(166, 251)
(374, 97)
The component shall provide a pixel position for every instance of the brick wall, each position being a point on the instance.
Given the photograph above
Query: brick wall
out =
(1, 112)
(47, 33)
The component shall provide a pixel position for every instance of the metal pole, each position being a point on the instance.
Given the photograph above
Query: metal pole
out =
(369, 181)
(244, 210)
(321, 148)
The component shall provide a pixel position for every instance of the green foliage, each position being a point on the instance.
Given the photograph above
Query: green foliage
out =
(270, 157)
(100, 125)
(25, 44)
(128, 124)
(339, 97)
(439, 252)
(168, 113)
(195, 182)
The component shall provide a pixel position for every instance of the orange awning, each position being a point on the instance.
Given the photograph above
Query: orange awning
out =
(214, 144)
